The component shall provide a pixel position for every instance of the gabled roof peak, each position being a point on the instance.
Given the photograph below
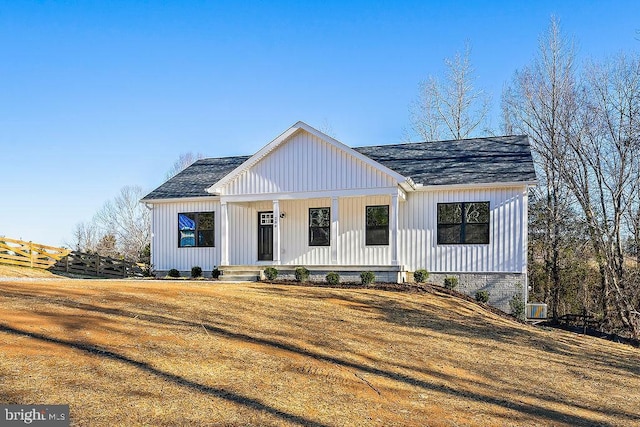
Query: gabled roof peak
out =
(285, 136)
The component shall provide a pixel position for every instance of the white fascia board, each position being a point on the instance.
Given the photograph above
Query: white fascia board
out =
(180, 199)
(355, 192)
(264, 151)
(475, 186)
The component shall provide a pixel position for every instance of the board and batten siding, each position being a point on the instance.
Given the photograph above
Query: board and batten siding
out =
(307, 163)
(165, 253)
(506, 251)
(417, 233)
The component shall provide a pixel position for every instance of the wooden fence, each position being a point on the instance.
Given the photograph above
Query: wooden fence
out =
(96, 265)
(28, 254)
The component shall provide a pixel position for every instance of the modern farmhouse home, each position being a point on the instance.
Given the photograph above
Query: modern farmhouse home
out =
(454, 208)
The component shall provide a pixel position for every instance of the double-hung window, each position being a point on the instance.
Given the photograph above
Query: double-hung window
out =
(196, 229)
(319, 226)
(377, 229)
(463, 223)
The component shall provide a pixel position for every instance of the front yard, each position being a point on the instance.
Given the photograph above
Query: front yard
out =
(201, 353)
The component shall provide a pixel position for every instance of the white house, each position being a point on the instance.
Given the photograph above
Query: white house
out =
(454, 208)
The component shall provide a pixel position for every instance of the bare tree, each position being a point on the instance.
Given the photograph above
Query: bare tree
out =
(128, 221)
(603, 172)
(185, 160)
(541, 102)
(453, 108)
(85, 237)
(327, 128)
(585, 136)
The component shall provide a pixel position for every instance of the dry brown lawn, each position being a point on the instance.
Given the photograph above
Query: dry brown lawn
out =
(22, 272)
(168, 353)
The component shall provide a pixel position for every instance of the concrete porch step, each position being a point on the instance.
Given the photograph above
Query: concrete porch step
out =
(240, 278)
(240, 273)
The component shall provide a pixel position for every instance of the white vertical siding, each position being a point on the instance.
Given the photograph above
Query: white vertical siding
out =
(506, 251)
(294, 229)
(307, 163)
(352, 249)
(417, 234)
(165, 253)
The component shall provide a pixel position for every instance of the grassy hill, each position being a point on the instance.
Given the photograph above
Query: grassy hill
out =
(200, 353)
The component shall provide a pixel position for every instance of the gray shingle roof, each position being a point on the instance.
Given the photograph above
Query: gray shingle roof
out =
(468, 161)
(194, 180)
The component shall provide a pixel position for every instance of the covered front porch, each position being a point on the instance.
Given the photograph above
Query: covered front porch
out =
(282, 229)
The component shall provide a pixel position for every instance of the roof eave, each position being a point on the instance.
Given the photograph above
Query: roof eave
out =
(178, 199)
(527, 184)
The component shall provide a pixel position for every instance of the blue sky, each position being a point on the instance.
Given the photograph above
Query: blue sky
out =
(98, 95)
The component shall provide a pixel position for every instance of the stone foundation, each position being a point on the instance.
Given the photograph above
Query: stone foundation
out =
(500, 286)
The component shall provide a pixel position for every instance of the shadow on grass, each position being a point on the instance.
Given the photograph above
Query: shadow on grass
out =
(525, 409)
(213, 391)
(471, 326)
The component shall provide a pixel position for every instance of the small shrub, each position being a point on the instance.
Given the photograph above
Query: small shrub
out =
(173, 273)
(148, 271)
(302, 274)
(333, 278)
(270, 273)
(420, 276)
(215, 273)
(450, 282)
(482, 296)
(367, 277)
(517, 306)
(196, 272)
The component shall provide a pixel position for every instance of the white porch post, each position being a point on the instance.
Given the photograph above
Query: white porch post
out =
(335, 229)
(393, 229)
(224, 234)
(276, 232)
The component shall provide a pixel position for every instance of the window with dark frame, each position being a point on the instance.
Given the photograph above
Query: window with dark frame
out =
(463, 223)
(319, 226)
(377, 227)
(196, 229)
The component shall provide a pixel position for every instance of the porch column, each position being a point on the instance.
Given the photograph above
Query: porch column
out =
(393, 229)
(335, 229)
(224, 234)
(276, 232)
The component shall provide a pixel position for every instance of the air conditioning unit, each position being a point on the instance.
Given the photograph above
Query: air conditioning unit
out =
(536, 311)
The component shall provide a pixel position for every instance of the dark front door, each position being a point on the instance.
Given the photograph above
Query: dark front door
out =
(265, 236)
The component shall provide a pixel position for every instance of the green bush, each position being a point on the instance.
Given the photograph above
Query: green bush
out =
(517, 306)
(367, 277)
(450, 282)
(215, 273)
(302, 274)
(196, 272)
(420, 276)
(333, 278)
(270, 273)
(173, 273)
(482, 296)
